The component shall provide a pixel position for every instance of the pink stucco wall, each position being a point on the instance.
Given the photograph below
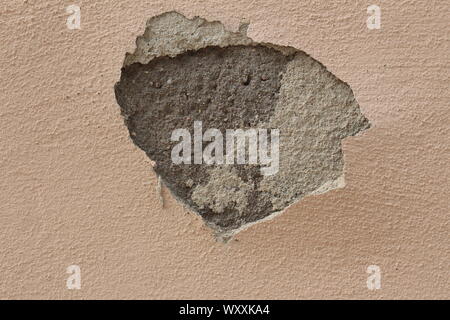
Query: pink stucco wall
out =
(75, 190)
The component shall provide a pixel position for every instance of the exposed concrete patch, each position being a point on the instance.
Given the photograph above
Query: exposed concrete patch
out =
(186, 70)
(229, 191)
(171, 33)
(314, 112)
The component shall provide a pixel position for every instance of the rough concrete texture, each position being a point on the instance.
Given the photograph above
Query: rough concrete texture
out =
(75, 190)
(175, 77)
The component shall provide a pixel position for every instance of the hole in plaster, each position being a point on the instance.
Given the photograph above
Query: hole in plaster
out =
(186, 72)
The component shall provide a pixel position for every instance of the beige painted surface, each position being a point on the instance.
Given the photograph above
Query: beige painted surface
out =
(75, 190)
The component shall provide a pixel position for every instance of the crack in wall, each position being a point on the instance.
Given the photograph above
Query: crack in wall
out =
(186, 70)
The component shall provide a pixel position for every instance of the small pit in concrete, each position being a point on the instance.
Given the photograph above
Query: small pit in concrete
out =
(190, 71)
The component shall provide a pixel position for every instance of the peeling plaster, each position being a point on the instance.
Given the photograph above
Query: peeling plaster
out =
(230, 81)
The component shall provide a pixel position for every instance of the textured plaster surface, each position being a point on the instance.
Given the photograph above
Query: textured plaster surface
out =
(74, 190)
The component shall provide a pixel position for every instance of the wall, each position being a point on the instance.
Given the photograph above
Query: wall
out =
(75, 190)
